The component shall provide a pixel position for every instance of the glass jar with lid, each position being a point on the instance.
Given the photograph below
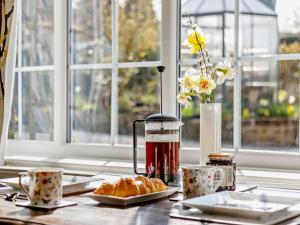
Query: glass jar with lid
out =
(224, 161)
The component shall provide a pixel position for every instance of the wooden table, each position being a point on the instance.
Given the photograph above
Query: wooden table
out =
(89, 212)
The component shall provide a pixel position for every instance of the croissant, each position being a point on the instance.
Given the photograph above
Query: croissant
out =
(146, 181)
(105, 188)
(126, 187)
(143, 188)
(158, 184)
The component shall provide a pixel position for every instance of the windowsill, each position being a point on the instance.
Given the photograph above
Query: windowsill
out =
(257, 176)
(244, 158)
(88, 165)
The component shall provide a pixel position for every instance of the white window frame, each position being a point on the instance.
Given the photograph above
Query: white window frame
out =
(170, 58)
(114, 66)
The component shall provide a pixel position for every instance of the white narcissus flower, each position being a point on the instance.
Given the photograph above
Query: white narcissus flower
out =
(224, 71)
(205, 85)
(263, 102)
(183, 98)
(187, 82)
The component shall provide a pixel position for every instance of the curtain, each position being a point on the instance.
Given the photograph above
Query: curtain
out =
(8, 42)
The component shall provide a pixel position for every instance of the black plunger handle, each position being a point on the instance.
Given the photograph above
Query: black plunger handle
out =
(135, 147)
(161, 69)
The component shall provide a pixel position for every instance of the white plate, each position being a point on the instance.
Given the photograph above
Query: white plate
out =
(112, 200)
(71, 184)
(178, 211)
(241, 204)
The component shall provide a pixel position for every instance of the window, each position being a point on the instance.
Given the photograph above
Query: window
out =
(32, 111)
(86, 69)
(115, 47)
(260, 110)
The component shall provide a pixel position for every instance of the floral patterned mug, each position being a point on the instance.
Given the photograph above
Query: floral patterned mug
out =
(44, 185)
(201, 180)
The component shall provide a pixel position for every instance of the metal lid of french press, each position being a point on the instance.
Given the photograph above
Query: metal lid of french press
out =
(158, 117)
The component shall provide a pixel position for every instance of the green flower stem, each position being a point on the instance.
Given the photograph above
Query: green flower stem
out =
(201, 54)
(210, 69)
(204, 98)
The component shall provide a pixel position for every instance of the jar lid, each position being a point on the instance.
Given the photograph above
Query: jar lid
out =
(221, 156)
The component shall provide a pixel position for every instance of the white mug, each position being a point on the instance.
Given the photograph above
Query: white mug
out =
(44, 185)
(201, 180)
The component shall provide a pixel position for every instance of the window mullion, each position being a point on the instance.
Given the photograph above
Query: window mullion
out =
(169, 46)
(69, 84)
(34, 68)
(114, 82)
(237, 83)
(60, 72)
(19, 50)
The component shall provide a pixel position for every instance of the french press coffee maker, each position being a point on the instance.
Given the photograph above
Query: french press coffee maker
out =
(162, 146)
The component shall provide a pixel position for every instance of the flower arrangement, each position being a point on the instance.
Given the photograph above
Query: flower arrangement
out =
(202, 81)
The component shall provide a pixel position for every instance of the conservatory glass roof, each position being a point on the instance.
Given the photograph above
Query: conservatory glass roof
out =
(206, 7)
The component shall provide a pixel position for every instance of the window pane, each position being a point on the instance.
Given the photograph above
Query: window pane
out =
(138, 97)
(270, 105)
(91, 31)
(216, 24)
(37, 32)
(139, 30)
(259, 34)
(289, 27)
(91, 106)
(13, 125)
(191, 117)
(36, 120)
(271, 27)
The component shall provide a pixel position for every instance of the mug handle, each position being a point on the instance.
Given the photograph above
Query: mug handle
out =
(21, 175)
(217, 183)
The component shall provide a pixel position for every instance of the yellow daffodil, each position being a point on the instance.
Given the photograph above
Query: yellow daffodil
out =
(282, 95)
(224, 71)
(246, 113)
(291, 110)
(183, 98)
(195, 40)
(187, 82)
(205, 85)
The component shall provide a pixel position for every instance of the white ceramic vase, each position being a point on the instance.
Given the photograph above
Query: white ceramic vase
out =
(210, 130)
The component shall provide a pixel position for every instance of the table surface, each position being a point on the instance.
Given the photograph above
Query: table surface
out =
(90, 212)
